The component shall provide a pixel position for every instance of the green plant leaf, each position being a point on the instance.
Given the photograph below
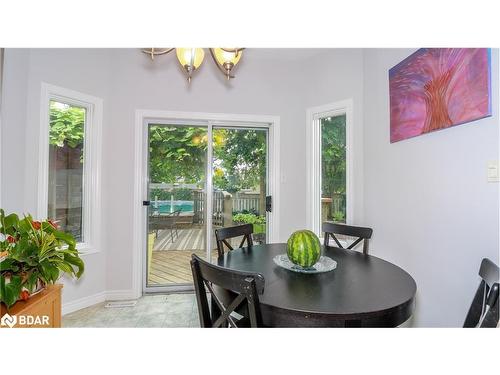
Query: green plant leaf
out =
(66, 237)
(9, 264)
(48, 272)
(75, 261)
(9, 292)
(65, 267)
(30, 282)
(10, 223)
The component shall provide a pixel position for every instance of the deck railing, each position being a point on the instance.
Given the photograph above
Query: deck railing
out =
(217, 207)
(248, 202)
(223, 206)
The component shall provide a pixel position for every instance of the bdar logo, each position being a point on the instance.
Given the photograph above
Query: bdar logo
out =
(8, 320)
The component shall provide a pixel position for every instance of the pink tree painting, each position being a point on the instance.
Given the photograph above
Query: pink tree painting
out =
(436, 88)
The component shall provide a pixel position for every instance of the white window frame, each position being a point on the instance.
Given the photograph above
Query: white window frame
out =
(313, 139)
(91, 221)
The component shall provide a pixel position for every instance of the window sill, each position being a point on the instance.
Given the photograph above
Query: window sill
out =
(86, 250)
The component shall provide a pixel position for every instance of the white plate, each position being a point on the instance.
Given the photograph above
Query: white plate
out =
(324, 264)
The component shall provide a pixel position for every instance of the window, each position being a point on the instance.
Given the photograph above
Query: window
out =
(333, 168)
(329, 164)
(66, 161)
(69, 190)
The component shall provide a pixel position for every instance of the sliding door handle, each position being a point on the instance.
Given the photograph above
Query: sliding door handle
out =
(269, 203)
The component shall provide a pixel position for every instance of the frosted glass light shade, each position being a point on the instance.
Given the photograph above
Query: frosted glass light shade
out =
(226, 58)
(191, 57)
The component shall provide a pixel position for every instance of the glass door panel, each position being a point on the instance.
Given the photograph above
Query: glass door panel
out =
(239, 181)
(177, 163)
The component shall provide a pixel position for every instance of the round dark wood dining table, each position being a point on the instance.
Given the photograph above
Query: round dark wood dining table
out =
(362, 291)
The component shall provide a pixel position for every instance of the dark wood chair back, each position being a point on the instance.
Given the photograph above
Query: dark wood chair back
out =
(223, 234)
(245, 286)
(363, 234)
(483, 312)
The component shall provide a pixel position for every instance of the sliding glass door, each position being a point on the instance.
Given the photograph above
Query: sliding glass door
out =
(176, 226)
(240, 180)
(201, 177)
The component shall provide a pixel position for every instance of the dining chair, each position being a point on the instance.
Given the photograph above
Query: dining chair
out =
(246, 287)
(483, 312)
(331, 229)
(223, 234)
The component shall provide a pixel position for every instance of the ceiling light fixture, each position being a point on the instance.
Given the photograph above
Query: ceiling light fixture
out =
(191, 58)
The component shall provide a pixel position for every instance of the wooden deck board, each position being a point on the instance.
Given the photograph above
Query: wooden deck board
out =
(170, 260)
(177, 270)
(173, 267)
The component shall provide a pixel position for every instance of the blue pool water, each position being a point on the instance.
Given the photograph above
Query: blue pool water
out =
(164, 206)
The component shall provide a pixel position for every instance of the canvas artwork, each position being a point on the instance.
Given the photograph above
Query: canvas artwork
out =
(436, 88)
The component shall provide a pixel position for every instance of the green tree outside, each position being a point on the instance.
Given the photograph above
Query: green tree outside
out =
(67, 125)
(333, 170)
(178, 153)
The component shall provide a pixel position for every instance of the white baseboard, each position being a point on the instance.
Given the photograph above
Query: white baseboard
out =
(119, 295)
(82, 303)
(110, 295)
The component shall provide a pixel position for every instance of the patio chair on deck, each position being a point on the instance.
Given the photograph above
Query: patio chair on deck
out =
(165, 222)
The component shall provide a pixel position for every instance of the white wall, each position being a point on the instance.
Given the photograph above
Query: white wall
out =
(82, 70)
(15, 89)
(428, 200)
(337, 75)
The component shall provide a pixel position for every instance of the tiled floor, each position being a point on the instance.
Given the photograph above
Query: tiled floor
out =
(153, 311)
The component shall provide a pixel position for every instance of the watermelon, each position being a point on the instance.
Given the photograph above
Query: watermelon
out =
(303, 248)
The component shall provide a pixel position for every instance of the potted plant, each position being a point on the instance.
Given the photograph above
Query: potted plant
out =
(33, 254)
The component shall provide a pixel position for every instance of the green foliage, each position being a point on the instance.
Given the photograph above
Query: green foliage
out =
(245, 211)
(67, 125)
(242, 156)
(249, 219)
(180, 194)
(177, 153)
(258, 221)
(9, 292)
(259, 228)
(339, 217)
(333, 154)
(31, 251)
